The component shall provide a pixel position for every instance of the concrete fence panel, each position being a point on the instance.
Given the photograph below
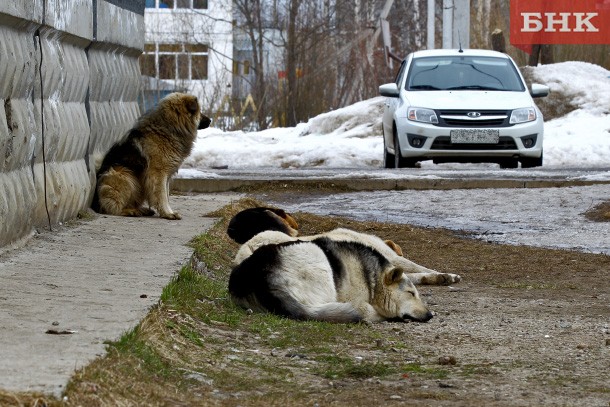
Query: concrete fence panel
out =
(69, 81)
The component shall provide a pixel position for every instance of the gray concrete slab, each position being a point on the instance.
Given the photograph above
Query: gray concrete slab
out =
(97, 278)
(367, 179)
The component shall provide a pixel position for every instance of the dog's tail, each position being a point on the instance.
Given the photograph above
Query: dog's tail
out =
(250, 222)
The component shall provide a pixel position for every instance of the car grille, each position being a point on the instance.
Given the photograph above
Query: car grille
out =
(487, 118)
(444, 143)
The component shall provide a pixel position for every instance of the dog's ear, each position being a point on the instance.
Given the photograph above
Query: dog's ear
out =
(393, 275)
(287, 218)
(281, 224)
(191, 104)
(291, 221)
(394, 246)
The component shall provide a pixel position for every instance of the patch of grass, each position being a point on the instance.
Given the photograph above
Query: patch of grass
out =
(341, 367)
(186, 331)
(599, 213)
(132, 345)
(284, 333)
(425, 371)
(471, 370)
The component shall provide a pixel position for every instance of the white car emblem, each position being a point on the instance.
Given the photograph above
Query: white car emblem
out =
(473, 114)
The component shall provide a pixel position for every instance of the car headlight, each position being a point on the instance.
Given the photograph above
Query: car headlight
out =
(526, 114)
(422, 115)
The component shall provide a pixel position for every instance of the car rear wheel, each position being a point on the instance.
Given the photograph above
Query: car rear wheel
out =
(531, 162)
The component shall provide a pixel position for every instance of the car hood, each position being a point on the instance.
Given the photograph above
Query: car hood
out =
(467, 99)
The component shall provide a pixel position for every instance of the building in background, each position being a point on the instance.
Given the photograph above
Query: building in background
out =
(188, 47)
(273, 60)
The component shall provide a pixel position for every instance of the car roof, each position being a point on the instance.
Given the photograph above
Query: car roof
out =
(456, 52)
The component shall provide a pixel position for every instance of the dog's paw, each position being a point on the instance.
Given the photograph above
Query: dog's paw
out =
(172, 216)
(133, 212)
(448, 278)
(440, 279)
(147, 212)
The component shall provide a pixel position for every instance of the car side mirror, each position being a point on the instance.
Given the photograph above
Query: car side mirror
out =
(539, 91)
(389, 90)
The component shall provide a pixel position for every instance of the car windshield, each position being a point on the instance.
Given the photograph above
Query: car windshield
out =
(462, 72)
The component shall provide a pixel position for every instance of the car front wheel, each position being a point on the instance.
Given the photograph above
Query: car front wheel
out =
(509, 163)
(388, 158)
(399, 160)
(531, 162)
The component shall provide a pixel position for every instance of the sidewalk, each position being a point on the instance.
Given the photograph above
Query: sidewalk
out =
(98, 279)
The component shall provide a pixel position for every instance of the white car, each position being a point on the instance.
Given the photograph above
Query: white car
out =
(461, 106)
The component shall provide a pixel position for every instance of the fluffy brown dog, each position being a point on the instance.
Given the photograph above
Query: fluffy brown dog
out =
(138, 168)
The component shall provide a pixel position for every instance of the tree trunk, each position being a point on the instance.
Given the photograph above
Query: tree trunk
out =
(291, 65)
(497, 41)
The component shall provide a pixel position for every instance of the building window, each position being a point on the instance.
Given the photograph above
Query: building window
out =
(177, 4)
(175, 61)
(147, 65)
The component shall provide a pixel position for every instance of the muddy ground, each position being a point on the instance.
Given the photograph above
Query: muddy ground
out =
(526, 326)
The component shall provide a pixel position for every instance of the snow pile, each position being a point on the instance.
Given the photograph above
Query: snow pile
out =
(587, 85)
(344, 138)
(582, 137)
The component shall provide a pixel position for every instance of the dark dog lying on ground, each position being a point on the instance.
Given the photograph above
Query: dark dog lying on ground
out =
(252, 221)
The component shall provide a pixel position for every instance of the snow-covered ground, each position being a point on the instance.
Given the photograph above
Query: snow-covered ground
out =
(348, 142)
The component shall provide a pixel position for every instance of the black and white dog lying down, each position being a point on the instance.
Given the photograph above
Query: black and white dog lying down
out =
(338, 276)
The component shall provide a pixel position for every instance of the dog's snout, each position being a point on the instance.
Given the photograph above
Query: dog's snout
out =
(204, 123)
(427, 317)
(423, 318)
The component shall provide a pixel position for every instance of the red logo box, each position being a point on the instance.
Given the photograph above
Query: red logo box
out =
(560, 22)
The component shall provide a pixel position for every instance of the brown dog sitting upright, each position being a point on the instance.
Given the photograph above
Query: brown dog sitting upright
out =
(138, 168)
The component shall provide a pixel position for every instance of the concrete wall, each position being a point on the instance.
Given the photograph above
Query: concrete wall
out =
(69, 79)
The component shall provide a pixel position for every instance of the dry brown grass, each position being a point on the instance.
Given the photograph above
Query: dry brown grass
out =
(8, 398)
(599, 213)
